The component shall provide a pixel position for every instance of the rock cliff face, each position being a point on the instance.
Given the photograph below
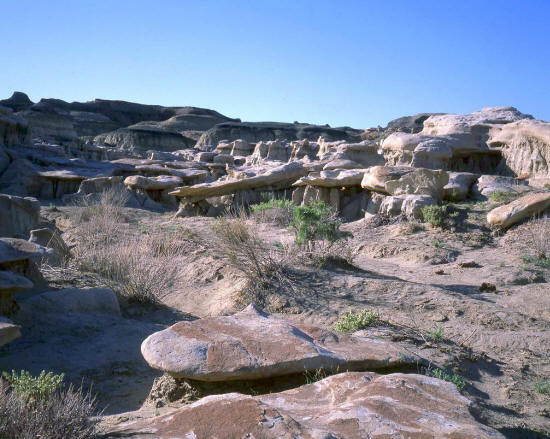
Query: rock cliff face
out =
(263, 131)
(58, 120)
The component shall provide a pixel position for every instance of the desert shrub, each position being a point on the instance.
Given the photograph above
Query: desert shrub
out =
(503, 196)
(98, 216)
(54, 411)
(33, 388)
(239, 243)
(317, 234)
(410, 227)
(140, 269)
(543, 387)
(315, 222)
(456, 379)
(351, 322)
(274, 210)
(537, 239)
(438, 216)
(436, 334)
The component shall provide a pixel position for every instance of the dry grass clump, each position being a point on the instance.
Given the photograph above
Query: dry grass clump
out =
(98, 217)
(537, 237)
(63, 413)
(266, 267)
(140, 269)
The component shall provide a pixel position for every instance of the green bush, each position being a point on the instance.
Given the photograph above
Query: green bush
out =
(41, 407)
(456, 379)
(436, 334)
(351, 322)
(314, 222)
(502, 196)
(543, 387)
(273, 203)
(438, 216)
(274, 210)
(33, 388)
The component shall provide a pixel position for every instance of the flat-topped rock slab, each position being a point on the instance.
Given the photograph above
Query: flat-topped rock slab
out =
(252, 344)
(350, 405)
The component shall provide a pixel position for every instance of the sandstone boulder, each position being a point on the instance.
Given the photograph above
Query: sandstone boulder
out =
(153, 183)
(525, 147)
(419, 182)
(349, 405)
(47, 238)
(375, 178)
(278, 176)
(459, 186)
(18, 215)
(86, 300)
(252, 344)
(518, 210)
(10, 283)
(333, 178)
(8, 331)
(487, 184)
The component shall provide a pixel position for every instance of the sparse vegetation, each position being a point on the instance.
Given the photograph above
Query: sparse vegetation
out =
(33, 388)
(274, 210)
(42, 407)
(436, 334)
(438, 216)
(503, 197)
(543, 387)
(139, 269)
(317, 233)
(438, 244)
(351, 321)
(456, 379)
(312, 376)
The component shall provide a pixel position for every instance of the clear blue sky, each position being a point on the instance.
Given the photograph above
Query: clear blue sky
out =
(357, 63)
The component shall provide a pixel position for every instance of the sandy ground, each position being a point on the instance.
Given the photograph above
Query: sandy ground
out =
(498, 340)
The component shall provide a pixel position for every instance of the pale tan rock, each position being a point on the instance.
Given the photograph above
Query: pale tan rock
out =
(375, 178)
(252, 344)
(333, 178)
(283, 175)
(351, 405)
(518, 210)
(419, 182)
(525, 145)
(158, 183)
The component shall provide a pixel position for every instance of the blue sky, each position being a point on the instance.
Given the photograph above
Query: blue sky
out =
(357, 63)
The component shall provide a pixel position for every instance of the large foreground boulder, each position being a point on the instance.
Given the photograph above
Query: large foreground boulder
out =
(348, 405)
(252, 344)
(518, 210)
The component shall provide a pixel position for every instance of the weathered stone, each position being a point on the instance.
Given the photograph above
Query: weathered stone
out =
(351, 405)
(459, 186)
(342, 164)
(518, 210)
(153, 183)
(525, 147)
(8, 331)
(375, 178)
(487, 184)
(18, 215)
(10, 283)
(49, 239)
(333, 178)
(86, 300)
(419, 182)
(252, 344)
(282, 176)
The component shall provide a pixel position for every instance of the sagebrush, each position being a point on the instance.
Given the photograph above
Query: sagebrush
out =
(44, 408)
